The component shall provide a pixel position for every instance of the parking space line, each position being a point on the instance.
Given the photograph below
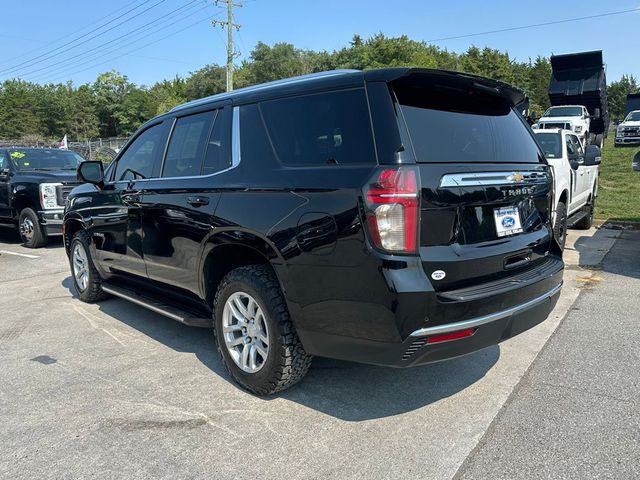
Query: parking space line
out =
(26, 255)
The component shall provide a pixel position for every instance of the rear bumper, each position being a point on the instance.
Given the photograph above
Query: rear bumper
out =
(415, 350)
(51, 221)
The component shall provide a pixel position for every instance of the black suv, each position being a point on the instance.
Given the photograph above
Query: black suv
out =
(34, 184)
(396, 217)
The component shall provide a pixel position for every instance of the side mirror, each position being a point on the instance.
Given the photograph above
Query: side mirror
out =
(593, 155)
(636, 162)
(91, 172)
(5, 173)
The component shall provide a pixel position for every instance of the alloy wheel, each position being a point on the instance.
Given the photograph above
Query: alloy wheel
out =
(80, 267)
(245, 332)
(27, 229)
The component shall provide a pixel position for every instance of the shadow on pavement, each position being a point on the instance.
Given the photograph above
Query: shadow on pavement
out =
(348, 391)
(9, 234)
(610, 250)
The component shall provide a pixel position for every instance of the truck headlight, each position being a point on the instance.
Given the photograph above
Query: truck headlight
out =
(577, 128)
(48, 197)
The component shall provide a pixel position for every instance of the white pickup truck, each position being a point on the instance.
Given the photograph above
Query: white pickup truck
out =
(575, 118)
(576, 170)
(628, 132)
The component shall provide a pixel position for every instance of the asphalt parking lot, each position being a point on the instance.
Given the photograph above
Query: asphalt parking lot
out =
(115, 391)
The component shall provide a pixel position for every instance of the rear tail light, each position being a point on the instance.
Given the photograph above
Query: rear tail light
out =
(392, 204)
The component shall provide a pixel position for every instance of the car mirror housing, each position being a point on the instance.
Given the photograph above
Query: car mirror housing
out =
(636, 162)
(593, 155)
(91, 172)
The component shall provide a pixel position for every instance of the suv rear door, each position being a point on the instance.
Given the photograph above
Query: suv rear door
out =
(486, 188)
(178, 207)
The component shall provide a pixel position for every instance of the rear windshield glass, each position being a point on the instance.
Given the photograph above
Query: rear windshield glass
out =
(563, 112)
(551, 144)
(450, 127)
(29, 159)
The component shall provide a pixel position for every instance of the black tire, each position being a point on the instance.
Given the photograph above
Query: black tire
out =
(31, 232)
(586, 222)
(92, 291)
(286, 361)
(560, 225)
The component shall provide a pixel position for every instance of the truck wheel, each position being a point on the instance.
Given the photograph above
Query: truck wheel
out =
(254, 334)
(586, 222)
(86, 278)
(31, 232)
(560, 225)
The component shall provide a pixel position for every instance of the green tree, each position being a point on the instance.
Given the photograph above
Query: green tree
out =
(82, 121)
(209, 80)
(110, 90)
(617, 95)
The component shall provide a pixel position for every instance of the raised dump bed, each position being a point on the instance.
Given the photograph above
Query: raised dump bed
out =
(580, 79)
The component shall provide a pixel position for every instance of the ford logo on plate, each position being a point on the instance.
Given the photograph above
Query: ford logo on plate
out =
(508, 222)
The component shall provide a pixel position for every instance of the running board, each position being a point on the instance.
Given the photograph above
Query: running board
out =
(154, 305)
(575, 218)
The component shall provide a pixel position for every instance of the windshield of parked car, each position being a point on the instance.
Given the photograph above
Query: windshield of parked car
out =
(633, 117)
(44, 159)
(551, 144)
(563, 112)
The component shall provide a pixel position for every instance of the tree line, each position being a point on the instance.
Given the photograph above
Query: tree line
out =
(114, 106)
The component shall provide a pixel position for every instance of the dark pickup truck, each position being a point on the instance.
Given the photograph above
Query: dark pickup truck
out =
(34, 184)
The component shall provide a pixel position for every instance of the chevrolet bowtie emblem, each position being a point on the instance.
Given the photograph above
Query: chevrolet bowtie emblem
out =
(516, 177)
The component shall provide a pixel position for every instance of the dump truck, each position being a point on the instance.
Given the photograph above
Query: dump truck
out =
(578, 80)
(633, 103)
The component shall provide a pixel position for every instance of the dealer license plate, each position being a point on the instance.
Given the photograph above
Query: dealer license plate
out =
(507, 221)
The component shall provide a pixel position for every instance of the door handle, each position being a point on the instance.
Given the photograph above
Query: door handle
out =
(131, 198)
(198, 201)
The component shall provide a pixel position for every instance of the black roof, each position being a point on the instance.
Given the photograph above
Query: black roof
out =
(352, 78)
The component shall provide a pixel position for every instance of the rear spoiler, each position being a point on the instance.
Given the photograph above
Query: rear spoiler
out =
(449, 80)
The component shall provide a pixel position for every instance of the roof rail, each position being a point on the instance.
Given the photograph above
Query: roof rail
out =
(263, 86)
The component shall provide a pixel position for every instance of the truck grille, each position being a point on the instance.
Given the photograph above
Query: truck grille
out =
(565, 126)
(631, 132)
(62, 192)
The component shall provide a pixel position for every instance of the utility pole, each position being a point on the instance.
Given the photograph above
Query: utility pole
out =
(230, 26)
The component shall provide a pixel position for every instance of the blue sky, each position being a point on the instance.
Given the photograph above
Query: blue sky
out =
(184, 41)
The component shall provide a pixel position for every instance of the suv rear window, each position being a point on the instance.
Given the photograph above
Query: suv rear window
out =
(456, 128)
(318, 129)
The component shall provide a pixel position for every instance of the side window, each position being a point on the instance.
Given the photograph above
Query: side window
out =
(571, 148)
(320, 129)
(218, 154)
(187, 145)
(578, 145)
(3, 161)
(140, 158)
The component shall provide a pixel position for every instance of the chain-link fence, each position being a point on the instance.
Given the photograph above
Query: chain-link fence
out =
(103, 149)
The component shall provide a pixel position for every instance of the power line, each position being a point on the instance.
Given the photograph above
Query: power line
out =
(147, 26)
(534, 25)
(52, 42)
(230, 26)
(102, 62)
(39, 59)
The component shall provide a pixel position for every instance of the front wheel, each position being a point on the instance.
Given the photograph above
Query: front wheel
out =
(560, 225)
(255, 337)
(31, 232)
(86, 278)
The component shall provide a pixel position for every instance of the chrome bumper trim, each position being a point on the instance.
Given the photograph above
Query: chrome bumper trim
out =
(476, 322)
